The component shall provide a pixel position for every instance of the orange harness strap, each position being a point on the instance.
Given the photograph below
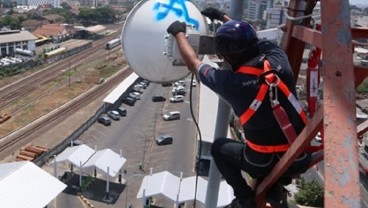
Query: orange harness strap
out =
(272, 81)
(278, 148)
(268, 149)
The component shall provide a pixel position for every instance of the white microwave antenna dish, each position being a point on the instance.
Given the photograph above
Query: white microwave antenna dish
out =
(144, 32)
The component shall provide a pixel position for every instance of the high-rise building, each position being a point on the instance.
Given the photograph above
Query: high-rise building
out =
(275, 16)
(88, 3)
(256, 8)
(54, 3)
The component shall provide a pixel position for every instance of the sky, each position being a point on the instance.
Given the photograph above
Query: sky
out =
(358, 1)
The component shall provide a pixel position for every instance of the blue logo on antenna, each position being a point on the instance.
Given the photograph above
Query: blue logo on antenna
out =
(180, 10)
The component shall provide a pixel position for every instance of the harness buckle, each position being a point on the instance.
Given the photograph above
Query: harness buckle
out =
(273, 91)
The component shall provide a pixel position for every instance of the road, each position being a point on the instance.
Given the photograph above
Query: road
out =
(134, 136)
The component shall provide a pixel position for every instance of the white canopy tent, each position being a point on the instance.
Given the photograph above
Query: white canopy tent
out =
(85, 157)
(104, 159)
(23, 184)
(181, 190)
(75, 155)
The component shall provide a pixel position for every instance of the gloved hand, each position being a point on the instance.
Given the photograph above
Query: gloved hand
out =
(213, 13)
(176, 27)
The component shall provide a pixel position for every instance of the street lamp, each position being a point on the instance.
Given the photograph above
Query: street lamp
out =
(145, 137)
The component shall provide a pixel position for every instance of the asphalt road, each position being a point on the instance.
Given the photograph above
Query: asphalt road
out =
(134, 136)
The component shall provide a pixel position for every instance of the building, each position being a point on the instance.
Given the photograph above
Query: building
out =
(54, 3)
(57, 32)
(12, 39)
(88, 3)
(275, 16)
(256, 8)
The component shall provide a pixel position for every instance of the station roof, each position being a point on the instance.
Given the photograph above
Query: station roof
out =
(95, 28)
(120, 89)
(181, 189)
(15, 36)
(23, 184)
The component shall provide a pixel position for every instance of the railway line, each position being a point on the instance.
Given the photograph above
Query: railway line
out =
(16, 90)
(63, 112)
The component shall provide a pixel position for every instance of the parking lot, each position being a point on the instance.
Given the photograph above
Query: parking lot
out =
(134, 135)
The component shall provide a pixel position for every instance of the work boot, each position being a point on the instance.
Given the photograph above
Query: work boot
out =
(277, 196)
(242, 203)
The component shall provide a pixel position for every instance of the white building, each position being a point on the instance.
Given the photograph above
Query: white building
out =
(275, 16)
(256, 8)
(12, 39)
(54, 3)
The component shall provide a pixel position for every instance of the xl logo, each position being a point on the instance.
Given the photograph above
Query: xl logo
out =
(177, 7)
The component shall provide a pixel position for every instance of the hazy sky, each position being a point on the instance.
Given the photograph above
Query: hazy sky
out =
(358, 1)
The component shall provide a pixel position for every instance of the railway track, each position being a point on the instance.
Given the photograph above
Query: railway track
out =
(56, 116)
(16, 90)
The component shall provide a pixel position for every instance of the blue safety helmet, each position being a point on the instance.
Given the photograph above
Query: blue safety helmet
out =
(235, 36)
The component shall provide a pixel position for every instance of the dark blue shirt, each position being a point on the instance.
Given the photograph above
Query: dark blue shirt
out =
(239, 90)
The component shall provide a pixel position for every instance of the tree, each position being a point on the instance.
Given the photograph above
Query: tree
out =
(12, 22)
(310, 194)
(65, 5)
(98, 15)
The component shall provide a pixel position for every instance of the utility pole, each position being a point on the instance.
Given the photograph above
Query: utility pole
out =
(69, 73)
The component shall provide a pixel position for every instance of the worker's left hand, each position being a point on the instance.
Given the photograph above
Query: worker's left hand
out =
(176, 27)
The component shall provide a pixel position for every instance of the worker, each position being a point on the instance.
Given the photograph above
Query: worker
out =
(254, 63)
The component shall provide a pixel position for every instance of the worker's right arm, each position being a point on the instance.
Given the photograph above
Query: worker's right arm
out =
(178, 29)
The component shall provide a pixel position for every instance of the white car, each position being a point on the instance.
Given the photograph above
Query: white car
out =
(135, 95)
(177, 99)
(172, 115)
(178, 88)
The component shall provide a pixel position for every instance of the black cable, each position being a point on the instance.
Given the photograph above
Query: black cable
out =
(200, 140)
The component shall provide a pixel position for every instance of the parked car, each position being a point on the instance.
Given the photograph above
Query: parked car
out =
(172, 115)
(158, 98)
(122, 111)
(137, 88)
(179, 92)
(129, 101)
(143, 86)
(167, 84)
(194, 83)
(104, 120)
(177, 88)
(180, 83)
(164, 140)
(146, 82)
(177, 99)
(135, 95)
(114, 115)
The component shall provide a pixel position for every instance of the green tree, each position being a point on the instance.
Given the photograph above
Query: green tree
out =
(98, 15)
(363, 88)
(12, 22)
(310, 194)
(65, 5)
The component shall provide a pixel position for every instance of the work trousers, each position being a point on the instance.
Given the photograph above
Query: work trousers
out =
(232, 156)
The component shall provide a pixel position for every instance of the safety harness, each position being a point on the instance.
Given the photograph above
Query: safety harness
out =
(271, 83)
